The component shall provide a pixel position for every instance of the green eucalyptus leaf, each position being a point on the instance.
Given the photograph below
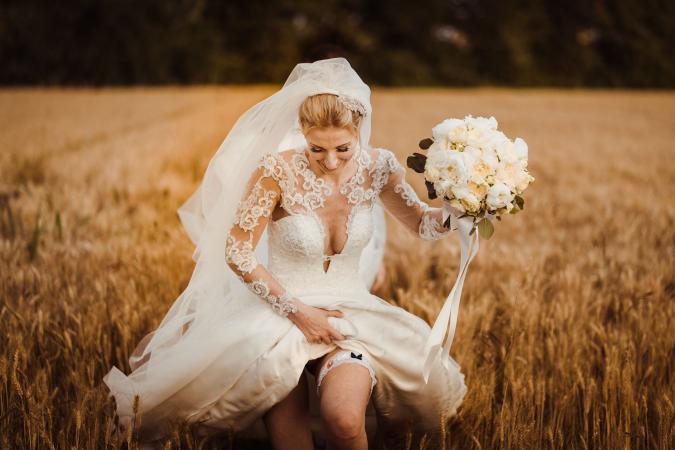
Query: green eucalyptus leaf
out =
(520, 201)
(485, 228)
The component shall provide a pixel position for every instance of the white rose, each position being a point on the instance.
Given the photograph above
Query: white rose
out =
(478, 169)
(431, 173)
(435, 146)
(520, 150)
(458, 205)
(506, 152)
(524, 180)
(481, 123)
(451, 166)
(499, 196)
(442, 187)
(444, 128)
(479, 190)
(508, 174)
(473, 152)
(458, 135)
(489, 156)
(466, 198)
(457, 168)
(476, 137)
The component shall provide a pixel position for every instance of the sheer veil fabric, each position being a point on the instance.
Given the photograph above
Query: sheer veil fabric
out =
(221, 356)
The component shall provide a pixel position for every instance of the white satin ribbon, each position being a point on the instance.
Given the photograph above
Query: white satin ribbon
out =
(438, 344)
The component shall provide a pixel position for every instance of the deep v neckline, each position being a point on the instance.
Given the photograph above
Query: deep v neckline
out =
(318, 186)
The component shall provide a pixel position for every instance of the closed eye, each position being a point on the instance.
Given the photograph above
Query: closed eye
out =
(340, 149)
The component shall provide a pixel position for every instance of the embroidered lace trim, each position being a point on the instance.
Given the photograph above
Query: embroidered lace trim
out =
(431, 228)
(416, 214)
(258, 204)
(408, 194)
(342, 357)
(281, 304)
(240, 253)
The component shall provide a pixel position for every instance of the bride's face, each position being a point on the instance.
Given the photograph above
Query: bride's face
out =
(330, 149)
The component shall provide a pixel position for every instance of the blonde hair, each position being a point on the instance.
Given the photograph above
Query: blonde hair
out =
(327, 110)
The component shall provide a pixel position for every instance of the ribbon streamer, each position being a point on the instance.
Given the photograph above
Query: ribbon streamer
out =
(440, 339)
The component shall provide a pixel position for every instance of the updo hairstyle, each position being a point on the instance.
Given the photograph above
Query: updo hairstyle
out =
(327, 110)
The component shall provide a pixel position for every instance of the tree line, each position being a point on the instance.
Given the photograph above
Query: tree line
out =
(603, 43)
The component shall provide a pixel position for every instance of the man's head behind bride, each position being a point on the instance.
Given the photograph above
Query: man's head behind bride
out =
(332, 132)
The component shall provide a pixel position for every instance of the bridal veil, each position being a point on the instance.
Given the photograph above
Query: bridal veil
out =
(186, 330)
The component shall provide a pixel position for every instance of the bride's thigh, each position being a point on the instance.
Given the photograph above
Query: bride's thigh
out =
(344, 395)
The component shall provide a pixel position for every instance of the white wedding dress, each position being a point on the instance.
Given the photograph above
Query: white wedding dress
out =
(310, 224)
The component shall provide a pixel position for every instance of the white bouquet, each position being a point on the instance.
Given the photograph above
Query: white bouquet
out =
(475, 168)
(480, 174)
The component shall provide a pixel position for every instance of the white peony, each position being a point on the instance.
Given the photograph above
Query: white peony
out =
(481, 123)
(520, 150)
(523, 182)
(431, 173)
(476, 166)
(479, 190)
(467, 198)
(472, 153)
(514, 175)
(506, 152)
(444, 128)
(442, 187)
(451, 166)
(499, 196)
(489, 156)
(457, 204)
(450, 130)
(508, 173)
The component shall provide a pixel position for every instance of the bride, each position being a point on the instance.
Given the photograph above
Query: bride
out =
(285, 224)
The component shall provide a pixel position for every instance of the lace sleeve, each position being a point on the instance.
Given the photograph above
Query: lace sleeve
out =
(262, 194)
(401, 201)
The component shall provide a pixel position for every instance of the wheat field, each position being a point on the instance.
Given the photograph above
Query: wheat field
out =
(564, 331)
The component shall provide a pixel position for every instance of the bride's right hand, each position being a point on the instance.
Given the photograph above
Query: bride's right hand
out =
(313, 322)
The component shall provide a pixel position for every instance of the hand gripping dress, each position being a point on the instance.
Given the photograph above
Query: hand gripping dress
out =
(316, 233)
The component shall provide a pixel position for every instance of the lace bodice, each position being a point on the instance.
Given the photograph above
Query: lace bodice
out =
(317, 230)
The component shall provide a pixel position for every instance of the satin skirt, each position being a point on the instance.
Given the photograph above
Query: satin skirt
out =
(261, 357)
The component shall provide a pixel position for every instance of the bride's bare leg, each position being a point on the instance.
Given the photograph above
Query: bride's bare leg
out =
(344, 395)
(288, 422)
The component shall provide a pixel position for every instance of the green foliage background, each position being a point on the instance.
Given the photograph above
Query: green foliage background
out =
(626, 43)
